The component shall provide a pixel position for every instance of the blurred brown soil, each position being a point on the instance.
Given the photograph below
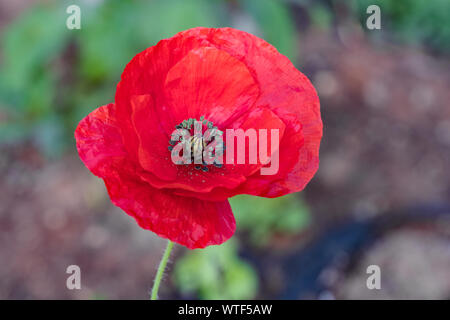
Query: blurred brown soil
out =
(414, 264)
(386, 114)
(53, 215)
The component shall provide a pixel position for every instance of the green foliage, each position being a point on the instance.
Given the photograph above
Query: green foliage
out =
(276, 24)
(116, 31)
(262, 218)
(414, 21)
(216, 272)
(28, 79)
(321, 17)
(30, 44)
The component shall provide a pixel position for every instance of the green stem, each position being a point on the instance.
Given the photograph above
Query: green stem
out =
(160, 272)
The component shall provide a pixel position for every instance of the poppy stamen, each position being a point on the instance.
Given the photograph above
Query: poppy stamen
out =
(197, 141)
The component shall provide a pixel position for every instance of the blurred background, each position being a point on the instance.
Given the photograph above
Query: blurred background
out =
(381, 195)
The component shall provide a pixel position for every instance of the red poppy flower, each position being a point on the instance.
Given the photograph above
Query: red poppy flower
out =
(226, 78)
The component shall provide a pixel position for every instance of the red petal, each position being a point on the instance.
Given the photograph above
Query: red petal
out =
(211, 83)
(99, 141)
(187, 221)
(152, 152)
(145, 74)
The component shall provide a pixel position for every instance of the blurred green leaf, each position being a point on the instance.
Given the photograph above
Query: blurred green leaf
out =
(286, 214)
(31, 42)
(28, 80)
(321, 16)
(116, 31)
(154, 17)
(216, 272)
(276, 24)
(413, 21)
(106, 40)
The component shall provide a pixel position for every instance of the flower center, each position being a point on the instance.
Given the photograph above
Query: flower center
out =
(200, 141)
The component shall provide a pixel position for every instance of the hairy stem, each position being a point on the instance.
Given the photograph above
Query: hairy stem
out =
(160, 272)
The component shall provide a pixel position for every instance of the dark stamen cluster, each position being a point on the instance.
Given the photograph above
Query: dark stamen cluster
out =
(197, 143)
